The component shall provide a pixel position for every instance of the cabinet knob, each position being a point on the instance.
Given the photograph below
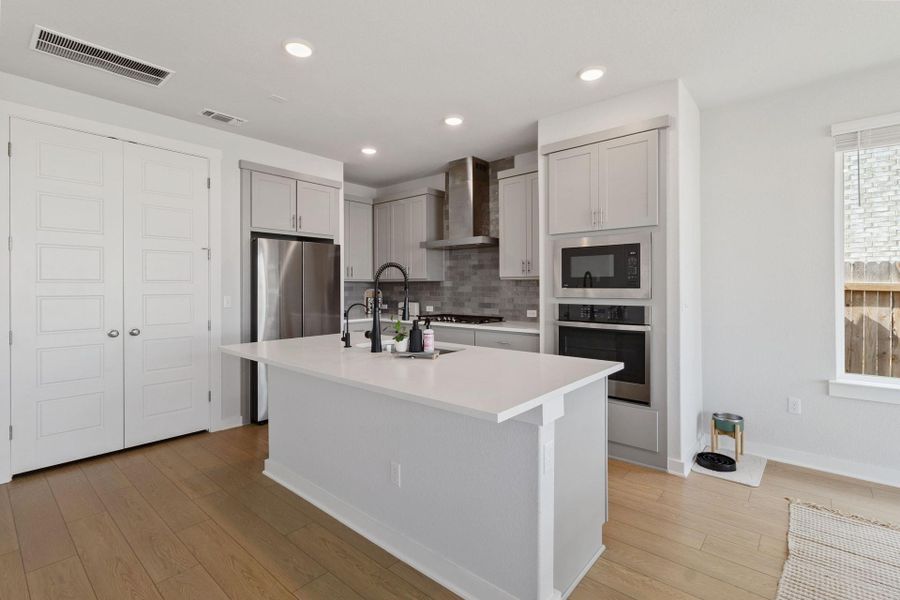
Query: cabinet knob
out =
(135, 332)
(113, 333)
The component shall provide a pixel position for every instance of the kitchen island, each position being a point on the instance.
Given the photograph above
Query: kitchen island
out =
(484, 468)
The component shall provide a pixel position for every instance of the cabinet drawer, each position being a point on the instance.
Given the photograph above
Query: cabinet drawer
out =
(454, 335)
(524, 342)
(633, 426)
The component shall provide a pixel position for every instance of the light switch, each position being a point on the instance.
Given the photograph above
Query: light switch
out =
(226, 301)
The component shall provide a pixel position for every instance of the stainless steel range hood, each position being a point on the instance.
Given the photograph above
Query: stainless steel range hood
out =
(468, 201)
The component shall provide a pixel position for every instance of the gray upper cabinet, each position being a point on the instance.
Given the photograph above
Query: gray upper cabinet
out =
(629, 181)
(519, 226)
(274, 202)
(400, 228)
(358, 230)
(612, 184)
(285, 205)
(316, 209)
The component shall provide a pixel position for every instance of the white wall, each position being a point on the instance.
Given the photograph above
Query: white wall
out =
(671, 377)
(768, 276)
(233, 148)
(688, 238)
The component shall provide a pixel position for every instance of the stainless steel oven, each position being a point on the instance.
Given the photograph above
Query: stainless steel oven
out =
(617, 333)
(603, 266)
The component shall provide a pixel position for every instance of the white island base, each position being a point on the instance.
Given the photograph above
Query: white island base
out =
(491, 510)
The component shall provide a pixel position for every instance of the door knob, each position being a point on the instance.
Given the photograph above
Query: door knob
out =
(113, 333)
(135, 331)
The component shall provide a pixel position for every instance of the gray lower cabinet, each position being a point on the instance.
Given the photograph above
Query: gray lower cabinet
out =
(454, 335)
(525, 342)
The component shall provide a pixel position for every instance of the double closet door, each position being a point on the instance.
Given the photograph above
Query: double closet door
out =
(109, 294)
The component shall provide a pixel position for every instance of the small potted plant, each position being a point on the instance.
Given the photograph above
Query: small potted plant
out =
(401, 339)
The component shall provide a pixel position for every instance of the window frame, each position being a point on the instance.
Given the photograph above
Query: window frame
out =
(874, 388)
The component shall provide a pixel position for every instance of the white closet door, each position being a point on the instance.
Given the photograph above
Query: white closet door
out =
(66, 295)
(166, 294)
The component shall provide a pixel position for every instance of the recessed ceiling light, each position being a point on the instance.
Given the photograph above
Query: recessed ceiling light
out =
(591, 73)
(453, 120)
(298, 48)
(369, 150)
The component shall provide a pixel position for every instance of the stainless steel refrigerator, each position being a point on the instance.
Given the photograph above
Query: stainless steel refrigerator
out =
(295, 293)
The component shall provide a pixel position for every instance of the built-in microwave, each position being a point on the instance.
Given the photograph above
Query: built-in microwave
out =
(603, 266)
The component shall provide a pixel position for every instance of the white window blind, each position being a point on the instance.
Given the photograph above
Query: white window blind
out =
(868, 138)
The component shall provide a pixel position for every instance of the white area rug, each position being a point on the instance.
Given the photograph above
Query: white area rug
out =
(749, 469)
(833, 556)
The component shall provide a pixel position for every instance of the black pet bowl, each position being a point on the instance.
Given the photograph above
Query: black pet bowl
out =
(716, 462)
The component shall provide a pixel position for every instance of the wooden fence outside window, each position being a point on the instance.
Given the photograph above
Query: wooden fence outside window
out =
(872, 318)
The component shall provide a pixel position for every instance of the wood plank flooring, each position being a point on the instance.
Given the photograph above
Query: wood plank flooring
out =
(194, 519)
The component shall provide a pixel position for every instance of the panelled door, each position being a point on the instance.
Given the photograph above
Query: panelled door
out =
(165, 333)
(66, 295)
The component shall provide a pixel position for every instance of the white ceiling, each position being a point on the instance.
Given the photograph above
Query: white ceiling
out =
(386, 72)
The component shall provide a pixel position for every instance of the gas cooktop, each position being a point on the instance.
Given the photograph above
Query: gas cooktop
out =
(467, 319)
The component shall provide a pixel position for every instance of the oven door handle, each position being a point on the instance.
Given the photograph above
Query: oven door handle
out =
(607, 326)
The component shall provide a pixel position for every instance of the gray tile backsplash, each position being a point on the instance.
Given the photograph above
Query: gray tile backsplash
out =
(472, 283)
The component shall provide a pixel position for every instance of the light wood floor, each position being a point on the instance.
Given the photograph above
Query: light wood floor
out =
(194, 518)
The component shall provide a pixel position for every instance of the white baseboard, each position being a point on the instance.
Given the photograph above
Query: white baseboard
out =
(682, 468)
(584, 572)
(457, 579)
(229, 423)
(819, 462)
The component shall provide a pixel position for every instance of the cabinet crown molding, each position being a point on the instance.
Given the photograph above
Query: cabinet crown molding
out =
(660, 122)
(410, 194)
(261, 168)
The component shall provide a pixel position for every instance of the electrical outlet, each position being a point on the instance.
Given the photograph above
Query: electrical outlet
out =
(395, 473)
(429, 309)
(531, 314)
(795, 406)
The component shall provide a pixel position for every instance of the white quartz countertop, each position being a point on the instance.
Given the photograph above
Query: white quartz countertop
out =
(486, 383)
(529, 327)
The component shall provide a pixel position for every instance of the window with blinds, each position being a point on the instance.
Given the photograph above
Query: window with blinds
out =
(869, 189)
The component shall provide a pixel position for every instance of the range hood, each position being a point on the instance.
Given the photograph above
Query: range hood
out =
(468, 202)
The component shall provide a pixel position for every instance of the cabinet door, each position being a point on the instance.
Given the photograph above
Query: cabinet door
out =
(531, 259)
(574, 201)
(316, 208)
(400, 212)
(383, 234)
(629, 172)
(358, 241)
(514, 220)
(418, 233)
(273, 202)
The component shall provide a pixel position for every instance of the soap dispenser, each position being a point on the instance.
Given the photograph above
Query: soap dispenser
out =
(415, 338)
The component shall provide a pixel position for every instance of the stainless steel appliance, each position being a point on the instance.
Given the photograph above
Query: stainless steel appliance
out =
(467, 319)
(603, 266)
(619, 333)
(468, 206)
(295, 293)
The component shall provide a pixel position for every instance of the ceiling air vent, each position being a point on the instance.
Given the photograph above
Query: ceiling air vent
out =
(222, 117)
(64, 46)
